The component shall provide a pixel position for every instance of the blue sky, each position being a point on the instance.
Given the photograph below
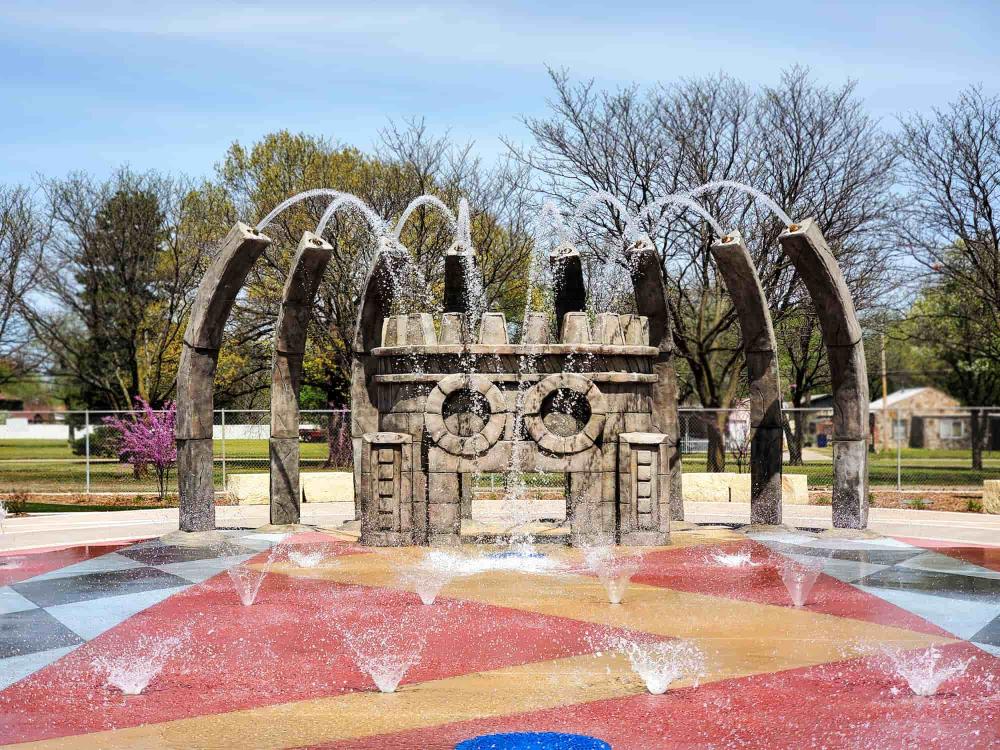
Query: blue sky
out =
(89, 85)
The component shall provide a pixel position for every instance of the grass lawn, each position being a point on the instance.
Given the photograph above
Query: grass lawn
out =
(50, 466)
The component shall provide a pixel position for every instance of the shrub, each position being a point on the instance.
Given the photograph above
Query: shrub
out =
(16, 504)
(917, 503)
(974, 506)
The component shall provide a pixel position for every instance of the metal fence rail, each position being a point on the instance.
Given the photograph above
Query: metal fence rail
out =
(912, 450)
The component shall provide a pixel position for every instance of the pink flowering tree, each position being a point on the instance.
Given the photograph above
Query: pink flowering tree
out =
(146, 440)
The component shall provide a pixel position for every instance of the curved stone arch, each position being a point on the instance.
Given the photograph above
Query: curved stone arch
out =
(651, 302)
(310, 261)
(760, 349)
(807, 248)
(196, 372)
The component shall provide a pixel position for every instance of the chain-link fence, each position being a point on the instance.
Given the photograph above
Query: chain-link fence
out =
(941, 449)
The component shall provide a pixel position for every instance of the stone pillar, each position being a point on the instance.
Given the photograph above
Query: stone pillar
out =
(458, 261)
(651, 303)
(311, 258)
(568, 288)
(805, 246)
(643, 489)
(760, 351)
(386, 489)
(196, 372)
(372, 329)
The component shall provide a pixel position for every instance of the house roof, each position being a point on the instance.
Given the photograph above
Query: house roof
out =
(897, 396)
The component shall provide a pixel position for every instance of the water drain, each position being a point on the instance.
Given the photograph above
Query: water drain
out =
(533, 741)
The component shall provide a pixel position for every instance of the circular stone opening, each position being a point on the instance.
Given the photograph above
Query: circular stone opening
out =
(565, 412)
(466, 412)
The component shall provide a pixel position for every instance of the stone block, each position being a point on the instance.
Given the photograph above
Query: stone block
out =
(420, 330)
(221, 283)
(454, 328)
(991, 496)
(635, 329)
(575, 328)
(536, 328)
(608, 329)
(286, 377)
(493, 328)
(723, 487)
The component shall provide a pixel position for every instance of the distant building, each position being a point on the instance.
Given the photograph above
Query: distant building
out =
(922, 417)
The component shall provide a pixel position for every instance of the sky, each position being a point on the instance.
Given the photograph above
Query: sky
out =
(168, 86)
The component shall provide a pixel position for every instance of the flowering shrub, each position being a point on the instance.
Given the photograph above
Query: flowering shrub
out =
(147, 440)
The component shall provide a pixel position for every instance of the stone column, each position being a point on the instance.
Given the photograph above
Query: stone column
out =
(651, 302)
(196, 372)
(386, 489)
(643, 489)
(567, 282)
(760, 350)
(805, 246)
(311, 258)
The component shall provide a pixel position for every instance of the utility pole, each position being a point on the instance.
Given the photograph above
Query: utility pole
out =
(885, 400)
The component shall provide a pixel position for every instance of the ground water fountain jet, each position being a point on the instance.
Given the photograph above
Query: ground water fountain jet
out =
(661, 663)
(132, 669)
(924, 670)
(387, 645)
(431, 574)
(799, 577)
(612, 570)
(248, 580)
(307, 557)
(739, 559)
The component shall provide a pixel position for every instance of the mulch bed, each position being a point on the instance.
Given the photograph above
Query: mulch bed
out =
(956, 502)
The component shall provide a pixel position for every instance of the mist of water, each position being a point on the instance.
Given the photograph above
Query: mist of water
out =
(131, 669)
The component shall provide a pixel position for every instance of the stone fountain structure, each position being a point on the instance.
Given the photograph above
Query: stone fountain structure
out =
(437, 398)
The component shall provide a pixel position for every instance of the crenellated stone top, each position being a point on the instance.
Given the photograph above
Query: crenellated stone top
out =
(610, 334)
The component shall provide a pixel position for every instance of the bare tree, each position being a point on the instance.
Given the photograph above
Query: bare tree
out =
(951, 164)
(22, 235)
(812, 148)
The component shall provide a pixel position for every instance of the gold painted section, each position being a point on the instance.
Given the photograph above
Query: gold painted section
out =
(739, 638)
(519, 689)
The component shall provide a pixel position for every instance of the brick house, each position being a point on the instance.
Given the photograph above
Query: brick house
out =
(922, 417)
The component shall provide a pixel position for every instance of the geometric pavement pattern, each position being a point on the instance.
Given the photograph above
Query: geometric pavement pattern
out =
(501, 651)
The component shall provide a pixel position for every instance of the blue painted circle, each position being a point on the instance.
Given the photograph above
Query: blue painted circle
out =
(533, 741)
(514, 554)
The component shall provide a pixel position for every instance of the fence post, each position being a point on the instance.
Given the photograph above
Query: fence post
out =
(899, 452)
(224, 488)
(86, 444)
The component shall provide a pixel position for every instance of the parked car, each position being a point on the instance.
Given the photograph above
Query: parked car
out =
(312, 434)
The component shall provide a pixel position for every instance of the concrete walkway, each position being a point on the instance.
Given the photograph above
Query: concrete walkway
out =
(54, 529)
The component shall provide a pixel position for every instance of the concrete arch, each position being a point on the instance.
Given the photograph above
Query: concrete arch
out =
(196, 372)
(311, 259)
(806, 247)
(651, 301)
(761, 352)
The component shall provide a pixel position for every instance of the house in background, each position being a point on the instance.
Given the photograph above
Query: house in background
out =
(921, 417)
